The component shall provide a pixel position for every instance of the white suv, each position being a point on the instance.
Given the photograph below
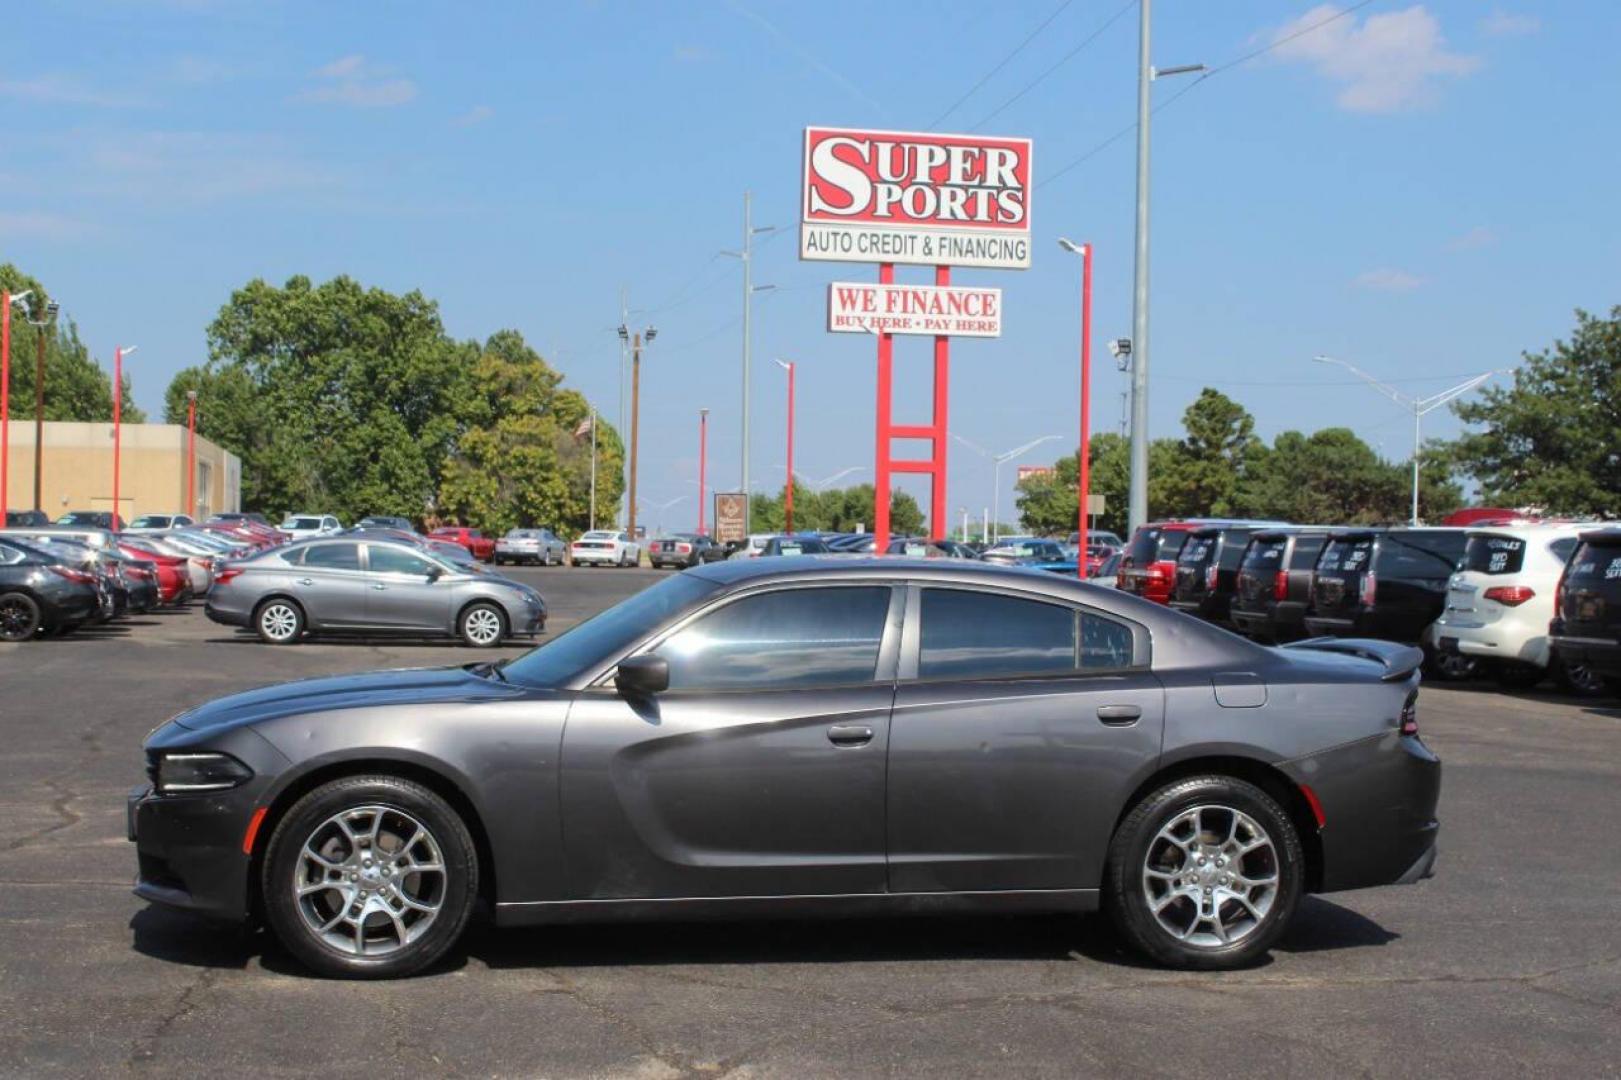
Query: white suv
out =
(308, 526)
(1501, 598)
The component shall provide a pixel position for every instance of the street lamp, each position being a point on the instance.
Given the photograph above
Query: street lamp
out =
(1146, 74)
(746, 257)
(1418, 407)
(997, 461)
(788, 493)
(636, 340)
(118, 412)
(703, 462)
(1084, 454)
(6, 300)
(40, 326)
(191, 453)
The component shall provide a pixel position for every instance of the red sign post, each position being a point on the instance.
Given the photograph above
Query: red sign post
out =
(919, 199)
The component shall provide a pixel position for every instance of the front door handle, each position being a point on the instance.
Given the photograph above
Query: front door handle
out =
(306, 581)
(380, 587)
(1120, 714)
(849, 735)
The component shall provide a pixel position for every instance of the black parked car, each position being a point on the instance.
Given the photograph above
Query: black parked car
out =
(1383, 583)
(1207, 571)
(684, 550)
(92, 519)
(40, 595)
(30, 519)
(1586, 627)
(1273, 585)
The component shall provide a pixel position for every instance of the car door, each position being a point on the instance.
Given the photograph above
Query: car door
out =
(1020, 726)
(404, 590)
(759, 772)
(330, 584)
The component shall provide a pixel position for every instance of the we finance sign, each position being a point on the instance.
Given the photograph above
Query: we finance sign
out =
(954, 311)
(934, 200)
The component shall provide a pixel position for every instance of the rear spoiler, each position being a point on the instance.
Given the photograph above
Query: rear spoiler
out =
(1399, 661)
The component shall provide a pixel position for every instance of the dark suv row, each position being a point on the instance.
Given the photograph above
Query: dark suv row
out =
(1586, 627)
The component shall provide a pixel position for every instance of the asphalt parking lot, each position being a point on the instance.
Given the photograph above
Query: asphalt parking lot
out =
(1508, 962)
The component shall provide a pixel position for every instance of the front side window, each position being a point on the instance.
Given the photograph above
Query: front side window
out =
(978, 635)
(333, 556)
(393, 560)
(782, 639)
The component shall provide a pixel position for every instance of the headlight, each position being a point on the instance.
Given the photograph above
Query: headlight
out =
(179, 773)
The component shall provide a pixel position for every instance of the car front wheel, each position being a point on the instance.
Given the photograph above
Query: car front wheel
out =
(369, 877)
(482, 625)
(1204, 873)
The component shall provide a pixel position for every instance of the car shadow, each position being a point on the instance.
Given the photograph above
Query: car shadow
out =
(247, 637)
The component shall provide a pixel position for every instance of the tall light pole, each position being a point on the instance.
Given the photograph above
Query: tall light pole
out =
(703, 463)
(118, 413)
(746, 256)
(1084, 453)
(6, 300)
(191, 453)
(591, 514)
(1418, 407)
(1137, 512)
(40, 326)
(635, 413)
(997, 461)
(788, 492)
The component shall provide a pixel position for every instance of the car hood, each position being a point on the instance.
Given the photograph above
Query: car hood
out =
(409, 686)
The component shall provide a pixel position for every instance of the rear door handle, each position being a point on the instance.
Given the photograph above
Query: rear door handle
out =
(1120, 714)
(380, 587)
(849, 735)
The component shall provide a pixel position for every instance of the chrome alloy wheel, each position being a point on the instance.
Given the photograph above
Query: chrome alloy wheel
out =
(370, 880)
(1211, 876)
(483, 626)
(279, 622)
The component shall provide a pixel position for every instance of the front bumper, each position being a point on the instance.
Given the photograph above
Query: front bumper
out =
(189, 850)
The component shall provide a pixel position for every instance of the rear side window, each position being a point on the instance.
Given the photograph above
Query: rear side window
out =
(1399, 557)
(788, 638)
(1265, 556)
(1563, 547)
(1232, 548)
(1307, 548)
(1349, 556)
(1145, 547)
(1197, 551)
(1494, 555)
(333, 556)
(975, 635)
(1594, 563)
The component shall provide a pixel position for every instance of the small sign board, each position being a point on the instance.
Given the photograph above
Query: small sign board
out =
(1027, 472)
(954, 310)
(1094, 505)
(916, 197)
(731, 517)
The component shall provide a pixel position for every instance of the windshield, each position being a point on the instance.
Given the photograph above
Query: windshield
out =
(302, 523)
(603, 635)
(150, 522)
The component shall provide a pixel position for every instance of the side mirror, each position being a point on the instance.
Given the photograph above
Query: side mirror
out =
(434, 574)
(642, 676)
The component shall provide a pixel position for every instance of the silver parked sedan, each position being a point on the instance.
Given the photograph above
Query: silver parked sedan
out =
(372, 587)
(531, 545)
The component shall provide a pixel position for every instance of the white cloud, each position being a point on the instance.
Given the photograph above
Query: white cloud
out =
(1501, 23)
(1473, 240)
(42, 225)
(66, 90)
(199, 70)
(189, 166)
(1384, 64)
(354, 81)
(1387, 279)
(476, 115)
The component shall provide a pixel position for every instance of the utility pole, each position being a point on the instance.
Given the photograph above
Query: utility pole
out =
(591, 516)
(624, 361)
(748, 295)
(191, 453)
(635, 407)
(118, 407)
(703, 463)
(788, 492)
(39, 396)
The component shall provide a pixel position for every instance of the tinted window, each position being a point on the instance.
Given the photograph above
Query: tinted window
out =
(333, 556)
(793, 637)
(1307, 548)
(603, 636)
(1197, 550)
(1349, 556)
(1562, 548)
(975, 635)
(1402, 557)
(1595, 563)
(302, 523)
(1494, 554)
(392, 560)
(1266, 556)
(9, 555)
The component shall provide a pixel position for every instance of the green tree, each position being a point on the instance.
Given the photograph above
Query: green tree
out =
(835, 510)
(1550, 439)
(1211, 463)
(76, 389)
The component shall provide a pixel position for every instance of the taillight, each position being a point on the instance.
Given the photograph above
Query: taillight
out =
(685, 549)
(1210, 578)
(1559, 597)
(1369, 590)
(1280, 585)
(73, 575)
(1409, 715)
(1509, 595)
(226, 574)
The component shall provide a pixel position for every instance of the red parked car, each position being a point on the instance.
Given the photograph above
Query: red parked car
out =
(482, 547)
(174, 578)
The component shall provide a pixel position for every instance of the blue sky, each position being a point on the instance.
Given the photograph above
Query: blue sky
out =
(1423, 190)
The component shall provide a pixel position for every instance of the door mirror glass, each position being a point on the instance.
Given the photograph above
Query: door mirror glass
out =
(642, 676)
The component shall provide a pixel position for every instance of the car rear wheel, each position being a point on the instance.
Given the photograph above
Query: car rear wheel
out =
(278, 622)
(1204, 873)
(1576, 678)
(482, 625)
(19, 617)
(369, 877)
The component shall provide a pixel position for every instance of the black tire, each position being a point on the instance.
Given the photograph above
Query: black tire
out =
(1126, 896)
(1577, 679)
(19, 617)
(1453, 667)
(279, 621)
(1513, 676)
(285, 868)
(474, 625)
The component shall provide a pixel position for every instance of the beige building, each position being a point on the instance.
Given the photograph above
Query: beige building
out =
(78, 470)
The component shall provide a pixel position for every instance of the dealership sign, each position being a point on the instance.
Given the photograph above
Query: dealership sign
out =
(731, 517)
(935, 200)
(958, 311)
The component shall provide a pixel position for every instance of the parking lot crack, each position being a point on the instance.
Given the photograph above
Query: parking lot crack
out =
(61, 806)
(145, 1047)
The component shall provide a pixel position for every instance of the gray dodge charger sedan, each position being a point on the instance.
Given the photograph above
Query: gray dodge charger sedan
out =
(806, 736)
(371, 586)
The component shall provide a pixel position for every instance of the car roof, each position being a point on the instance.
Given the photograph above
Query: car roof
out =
(791, 567)
(1534, 529)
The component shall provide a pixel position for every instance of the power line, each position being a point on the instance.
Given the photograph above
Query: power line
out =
(1210, 74)
(972, 90)
(1066, 58)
